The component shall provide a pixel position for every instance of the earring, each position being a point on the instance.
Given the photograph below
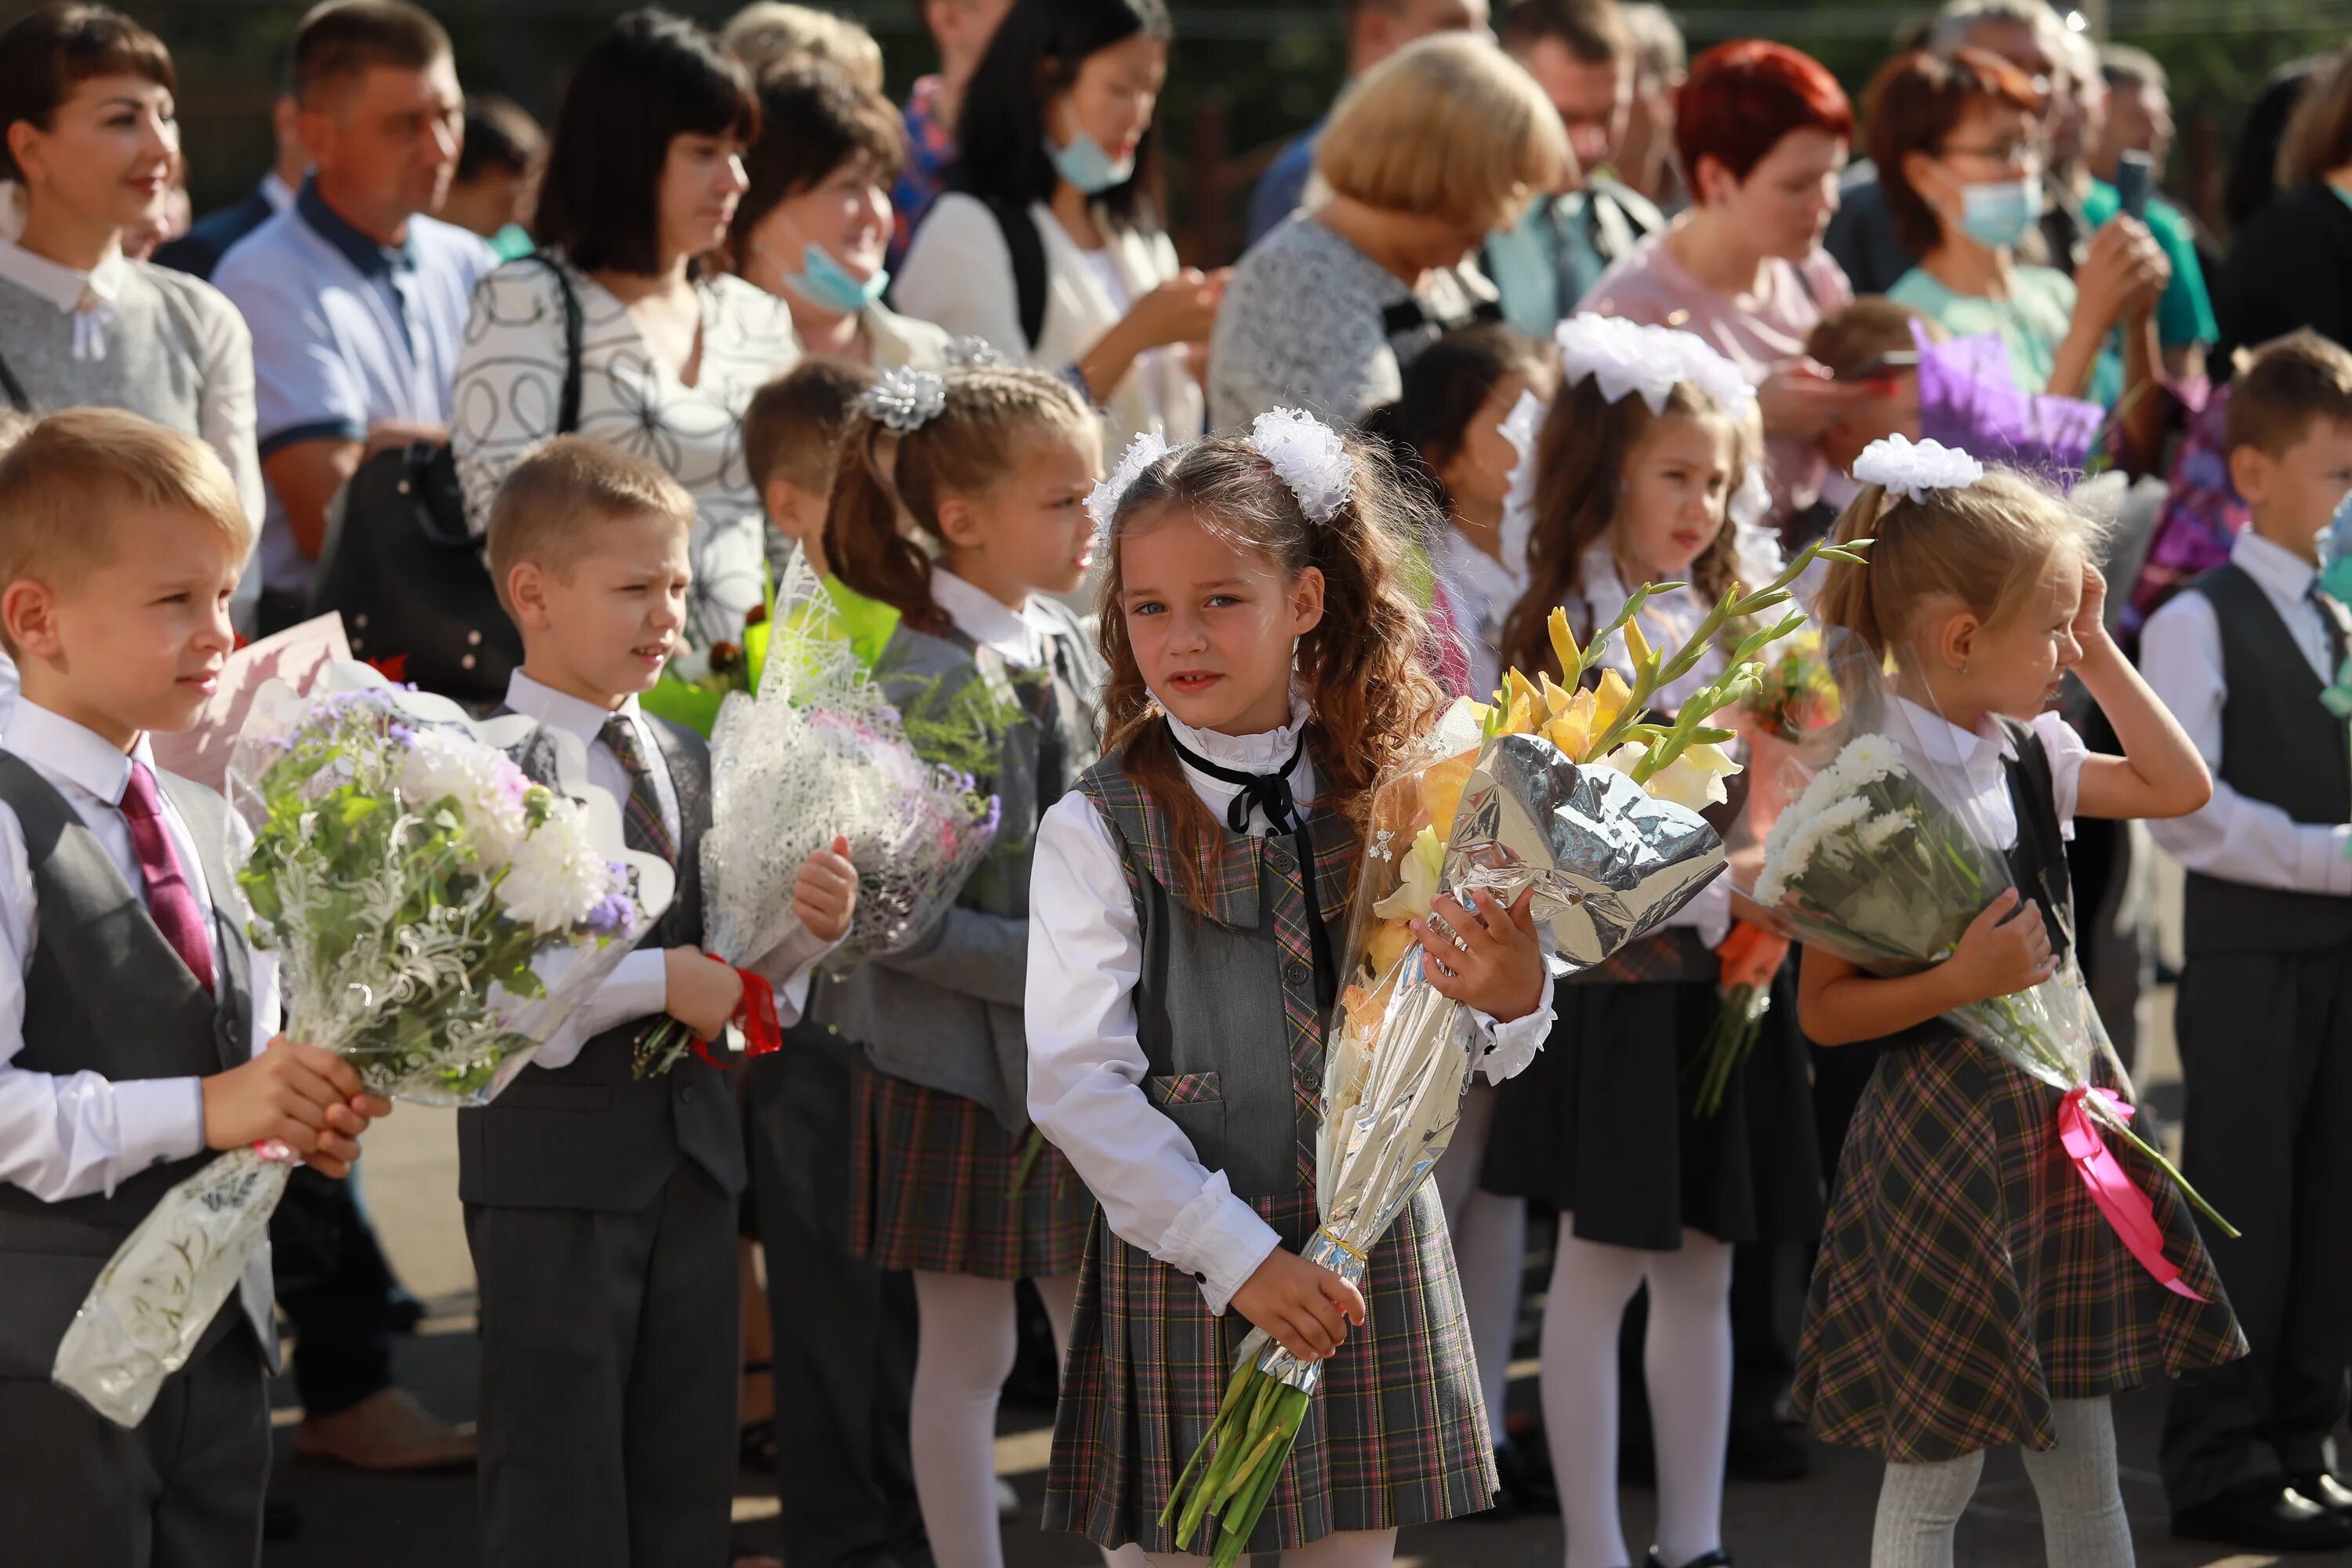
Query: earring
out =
(1964, 666)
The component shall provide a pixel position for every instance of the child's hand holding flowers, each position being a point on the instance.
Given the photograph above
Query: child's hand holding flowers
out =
(1486, 956)
(825, 894)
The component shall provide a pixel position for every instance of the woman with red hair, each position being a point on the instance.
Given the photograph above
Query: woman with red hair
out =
(1763, 131)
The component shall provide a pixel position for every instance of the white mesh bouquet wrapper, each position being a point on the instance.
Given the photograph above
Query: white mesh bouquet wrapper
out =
(819, 753)
(435, 917)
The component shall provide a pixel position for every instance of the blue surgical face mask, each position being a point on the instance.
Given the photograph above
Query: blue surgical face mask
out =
(1086, 166)
(825, 283)
(2000, 213)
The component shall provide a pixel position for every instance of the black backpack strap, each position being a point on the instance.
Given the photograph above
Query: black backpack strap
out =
(567, 410)
(18, 398)
(1028, 251)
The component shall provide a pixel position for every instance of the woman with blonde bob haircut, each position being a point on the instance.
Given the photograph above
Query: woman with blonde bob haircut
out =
(1432, 150)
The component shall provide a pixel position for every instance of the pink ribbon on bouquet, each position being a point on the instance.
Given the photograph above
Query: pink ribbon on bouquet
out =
(2117, 1197)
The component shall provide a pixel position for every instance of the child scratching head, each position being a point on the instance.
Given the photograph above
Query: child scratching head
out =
(1238, 560)
(987, 468)
(1644, 452)
(1974, 581)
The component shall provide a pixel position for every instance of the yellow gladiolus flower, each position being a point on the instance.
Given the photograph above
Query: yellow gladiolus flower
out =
(1563, 640)
(1635, 643)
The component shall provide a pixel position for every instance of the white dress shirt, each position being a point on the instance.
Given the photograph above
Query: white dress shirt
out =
(1087, 1066)
(638, 986)
(69, 1135)
(2233, 836)
(1968, 764)
(1018, 634)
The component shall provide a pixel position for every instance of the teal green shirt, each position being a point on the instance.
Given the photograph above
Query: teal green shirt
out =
(2185, 314)
(2031, 322)
(512, 241)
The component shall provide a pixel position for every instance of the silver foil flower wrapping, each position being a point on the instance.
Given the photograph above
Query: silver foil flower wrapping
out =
(1607, 865)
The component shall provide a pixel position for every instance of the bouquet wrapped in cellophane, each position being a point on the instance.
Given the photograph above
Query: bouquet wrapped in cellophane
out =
(1885, 857)
(1561, 791)
(435, 916)
(819, 753)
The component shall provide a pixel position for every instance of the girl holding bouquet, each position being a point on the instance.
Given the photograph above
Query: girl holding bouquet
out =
(1640, 464)
(1969, 1292)
(1189, 918)
(989, 467)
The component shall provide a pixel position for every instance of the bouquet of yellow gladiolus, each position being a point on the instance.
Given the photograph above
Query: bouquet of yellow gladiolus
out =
(1557, 790)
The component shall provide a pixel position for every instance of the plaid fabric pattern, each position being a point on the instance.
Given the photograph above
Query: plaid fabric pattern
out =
(930, 1188)
(1966, 1279)
(642, 827)
(1398, 1435)
(1672, 957)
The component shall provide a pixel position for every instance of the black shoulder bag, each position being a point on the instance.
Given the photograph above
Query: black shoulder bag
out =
(405, 571)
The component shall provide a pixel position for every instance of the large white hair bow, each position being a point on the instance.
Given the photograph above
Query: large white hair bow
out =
(1914, 469)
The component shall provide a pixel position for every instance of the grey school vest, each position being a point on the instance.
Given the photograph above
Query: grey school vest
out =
(105, 993)
(591, 1135)
(2279, 745)
(153, 365)
(1225, 1007)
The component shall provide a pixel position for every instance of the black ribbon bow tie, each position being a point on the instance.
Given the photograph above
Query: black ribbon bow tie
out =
(1270, 793)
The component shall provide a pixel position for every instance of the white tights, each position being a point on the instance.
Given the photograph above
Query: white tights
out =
(964, 1352)
(1687, 1366)
(2083, 1521)
(1490, 1248)
(1344, 1549)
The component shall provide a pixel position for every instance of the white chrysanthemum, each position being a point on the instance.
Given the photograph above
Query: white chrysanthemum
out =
(1309, 456)
(558, 875)
(1880, 831)
(440, 766)
(1867, 759)
(1831, 834)
(1914, 469)
(1102, 502)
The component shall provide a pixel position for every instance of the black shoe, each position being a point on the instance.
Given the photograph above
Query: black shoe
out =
(1718, 1558)
(281, 1519)
(2264, 1516)
(2323, 1487)
(401, 1312)
(1763, 1453)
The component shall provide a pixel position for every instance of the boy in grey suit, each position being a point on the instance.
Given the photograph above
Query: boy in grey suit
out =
(139, 1032)
(600, 1205)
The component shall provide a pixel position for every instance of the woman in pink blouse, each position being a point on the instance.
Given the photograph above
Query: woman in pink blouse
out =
(1763, 131)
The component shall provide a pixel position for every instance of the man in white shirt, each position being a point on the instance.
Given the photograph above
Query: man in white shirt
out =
(2265, 1007)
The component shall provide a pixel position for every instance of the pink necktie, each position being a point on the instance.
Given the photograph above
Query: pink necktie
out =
(170, 900)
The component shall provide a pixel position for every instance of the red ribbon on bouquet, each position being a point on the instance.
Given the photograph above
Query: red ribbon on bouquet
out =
(756, 1015)
(2119, 1197)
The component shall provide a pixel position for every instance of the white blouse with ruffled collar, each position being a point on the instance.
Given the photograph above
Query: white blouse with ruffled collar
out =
(1087, 1067)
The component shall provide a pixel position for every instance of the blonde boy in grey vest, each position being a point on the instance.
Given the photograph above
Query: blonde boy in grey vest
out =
(136, 1029)
(2265, 1010)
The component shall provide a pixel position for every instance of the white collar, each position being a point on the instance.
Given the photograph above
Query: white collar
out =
(583, 719)
(1260, 753)
(69, 288)
(1493, 586)
(78, 755)
(2278, 570)
(277, 192)
(1018, 634)
(1978, 753)
(1667, 620)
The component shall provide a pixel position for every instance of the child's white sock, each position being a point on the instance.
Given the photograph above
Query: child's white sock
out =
(2082, 1519)
(1490, 1249)
(1686, 1360)
(964, 1350)
(1918, 1509)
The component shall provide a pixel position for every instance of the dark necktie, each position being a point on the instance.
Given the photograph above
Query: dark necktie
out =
(1270, 793)
(641, 818)
(171, 901)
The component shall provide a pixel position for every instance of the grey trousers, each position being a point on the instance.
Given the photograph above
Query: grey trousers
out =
(609, 1356)
(845, 1331)
(182, 1490)
(2266, 1047)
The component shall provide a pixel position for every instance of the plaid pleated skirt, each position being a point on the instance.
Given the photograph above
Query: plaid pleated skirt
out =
(931, 1188)
(1396, 1436)
(1966, 1279)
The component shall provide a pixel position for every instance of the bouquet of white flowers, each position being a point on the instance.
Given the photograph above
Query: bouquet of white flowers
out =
(435, 916)
(819, 753)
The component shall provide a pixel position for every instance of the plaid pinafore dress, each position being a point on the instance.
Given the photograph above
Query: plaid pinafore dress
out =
(1398, 1434)
(1966, 1279)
